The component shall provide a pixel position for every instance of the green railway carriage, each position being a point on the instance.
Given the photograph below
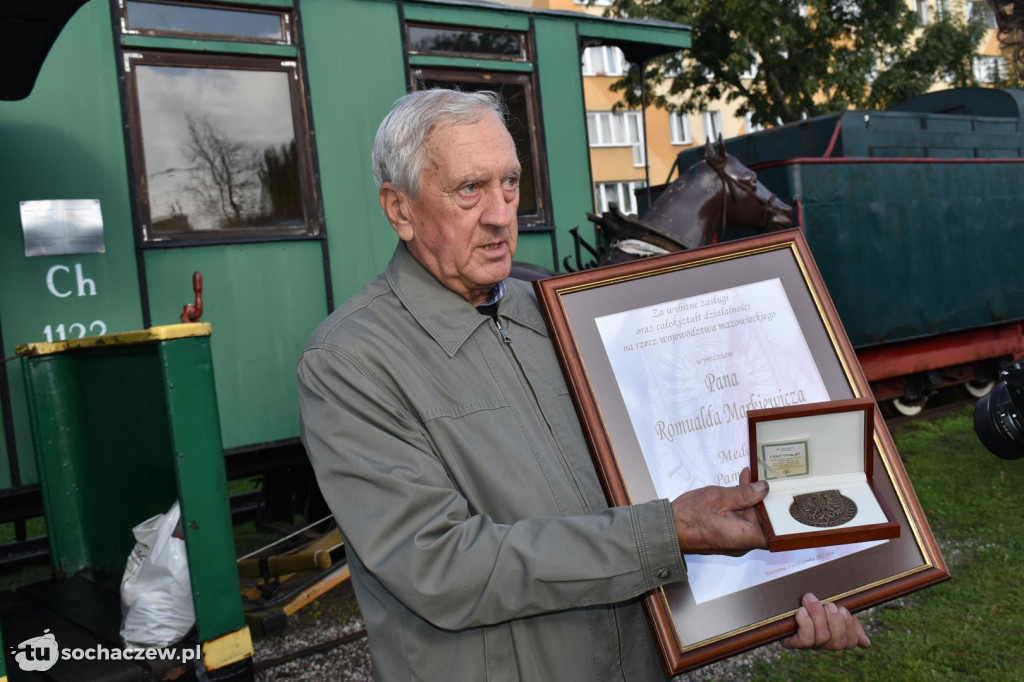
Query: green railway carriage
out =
(163, 138)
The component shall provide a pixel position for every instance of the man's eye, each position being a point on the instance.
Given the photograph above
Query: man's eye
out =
(469, 188)
(512, 182)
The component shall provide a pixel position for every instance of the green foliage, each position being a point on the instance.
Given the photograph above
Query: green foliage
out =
(968, 627)
(806, 58)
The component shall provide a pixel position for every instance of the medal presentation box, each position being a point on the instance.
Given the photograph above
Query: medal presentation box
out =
(818, 461)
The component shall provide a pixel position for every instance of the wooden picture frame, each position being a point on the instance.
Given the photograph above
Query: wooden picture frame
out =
(631, 337)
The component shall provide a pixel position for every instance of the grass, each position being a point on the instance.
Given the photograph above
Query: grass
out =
(970, 627)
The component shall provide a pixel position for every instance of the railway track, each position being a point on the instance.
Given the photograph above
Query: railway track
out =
(935, 409)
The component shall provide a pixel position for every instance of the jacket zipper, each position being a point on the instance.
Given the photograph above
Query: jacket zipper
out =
(536, 402)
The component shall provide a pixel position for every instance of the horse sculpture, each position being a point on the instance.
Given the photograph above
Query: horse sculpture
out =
(693, 211)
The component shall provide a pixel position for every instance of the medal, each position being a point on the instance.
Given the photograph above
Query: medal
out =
(824, 509)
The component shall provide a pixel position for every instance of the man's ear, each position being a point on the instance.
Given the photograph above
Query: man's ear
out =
(395, 204)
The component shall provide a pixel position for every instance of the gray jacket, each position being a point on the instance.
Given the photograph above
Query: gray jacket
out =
(480, 541)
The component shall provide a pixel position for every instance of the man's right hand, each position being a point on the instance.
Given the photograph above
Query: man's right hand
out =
(717, 520)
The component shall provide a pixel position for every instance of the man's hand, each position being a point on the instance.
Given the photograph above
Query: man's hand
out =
(825, 626)
(716, 520)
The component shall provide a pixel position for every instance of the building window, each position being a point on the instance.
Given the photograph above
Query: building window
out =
(594, 3)
(749, 125)
(618, 129)
(679, 126)
(989, 69)
(712, 124)
(604, 61)
(220, 143)
(622, 194)
(941, 9)
(921, 7)
(519, 94)
(985, 11)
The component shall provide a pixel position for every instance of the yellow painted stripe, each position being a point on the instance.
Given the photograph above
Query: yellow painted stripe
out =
(151, 335)
(317, 590)
(227, 649)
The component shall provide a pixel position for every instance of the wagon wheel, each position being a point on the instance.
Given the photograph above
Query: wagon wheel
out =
(976, 388)
(900, 407)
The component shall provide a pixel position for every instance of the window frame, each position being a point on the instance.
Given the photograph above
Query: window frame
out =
(542, 218)
(608, 53)
(921, 8)
(679, 122)
(284, 16)
(748, 124)
(639, 145)
(712, 119)
(623, 188)
(308, 184)
(525, 50)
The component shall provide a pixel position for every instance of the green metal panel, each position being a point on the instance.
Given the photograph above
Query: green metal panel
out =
(917, 249)
(121, 432)
(896, 134)
(218, 46)
(565, 134)
(650, 37)
(467, 63)
(202, 485)
(356, 72)
(65, 141)
(263, 301)
(463, 15)
(100, 425)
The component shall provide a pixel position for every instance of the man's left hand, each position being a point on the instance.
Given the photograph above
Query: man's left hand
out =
(825, 626)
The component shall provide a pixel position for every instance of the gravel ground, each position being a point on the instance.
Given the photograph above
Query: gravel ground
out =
(337, 615)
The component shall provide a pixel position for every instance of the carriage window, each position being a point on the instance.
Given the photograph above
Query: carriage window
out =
(220, 147)
(163, 18)
(465, 42)
(518, 92)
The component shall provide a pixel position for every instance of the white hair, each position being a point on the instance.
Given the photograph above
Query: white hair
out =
(399, 148)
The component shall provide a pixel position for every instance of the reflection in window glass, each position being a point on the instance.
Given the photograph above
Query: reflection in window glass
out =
(147, 16)
(434, 39)
(220, 149)
(515, 96)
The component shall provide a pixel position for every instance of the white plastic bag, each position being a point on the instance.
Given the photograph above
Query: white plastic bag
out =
(156, 594)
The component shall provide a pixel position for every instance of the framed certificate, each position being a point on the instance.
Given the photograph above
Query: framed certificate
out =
(665, 357)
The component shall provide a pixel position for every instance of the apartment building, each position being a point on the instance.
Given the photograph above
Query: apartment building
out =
(630, 147)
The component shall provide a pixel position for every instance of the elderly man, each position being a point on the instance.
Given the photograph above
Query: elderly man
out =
(444, 440)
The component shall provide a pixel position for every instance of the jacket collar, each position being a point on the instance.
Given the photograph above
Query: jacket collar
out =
(447, 317)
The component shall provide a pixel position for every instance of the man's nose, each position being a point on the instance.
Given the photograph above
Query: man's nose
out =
(498, 209)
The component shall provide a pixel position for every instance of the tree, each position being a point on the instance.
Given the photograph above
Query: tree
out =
(782, 60)
(224, 173)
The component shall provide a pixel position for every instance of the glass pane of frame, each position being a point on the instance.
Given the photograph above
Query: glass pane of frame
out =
(466, 42)
(163, 18)
(218, 150)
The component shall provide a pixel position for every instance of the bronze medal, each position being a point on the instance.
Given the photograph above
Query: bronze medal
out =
(823, 509)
